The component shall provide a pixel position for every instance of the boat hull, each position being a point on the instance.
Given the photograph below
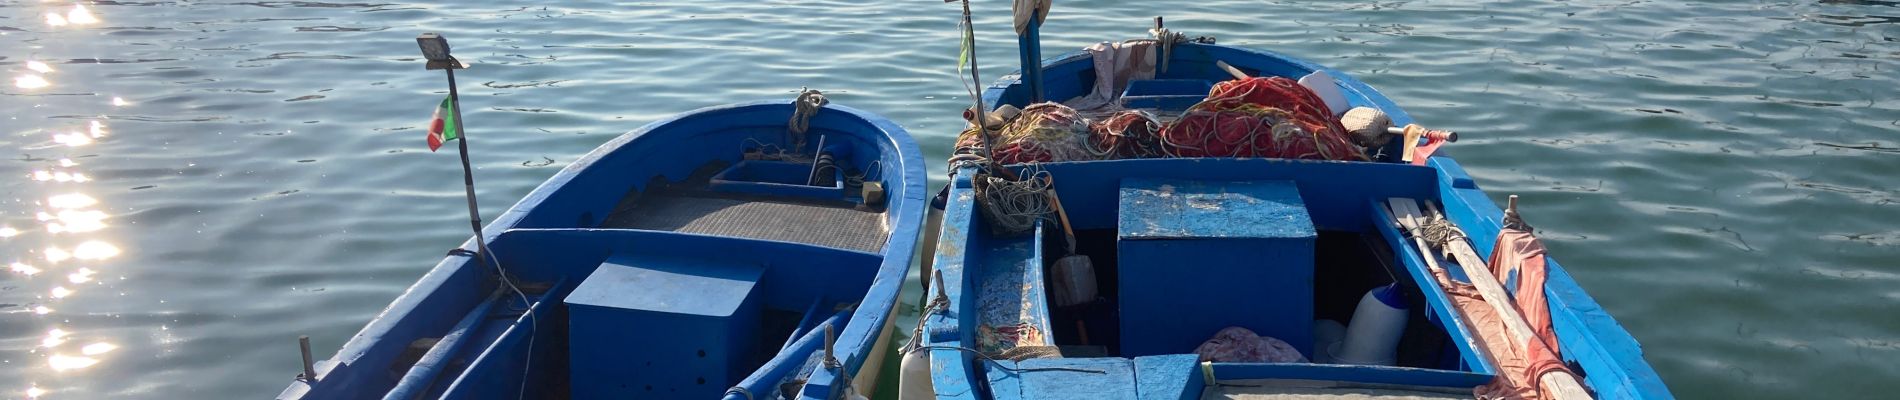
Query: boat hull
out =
(685, 200)
(1340, 197)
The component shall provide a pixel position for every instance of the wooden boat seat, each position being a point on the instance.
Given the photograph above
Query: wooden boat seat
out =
(836, 225)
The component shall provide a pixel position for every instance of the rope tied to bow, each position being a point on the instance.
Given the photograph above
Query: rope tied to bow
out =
(808, 102)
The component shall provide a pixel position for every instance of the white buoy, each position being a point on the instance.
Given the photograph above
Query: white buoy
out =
(1326, 334)
(913, 379)
(1373, 336)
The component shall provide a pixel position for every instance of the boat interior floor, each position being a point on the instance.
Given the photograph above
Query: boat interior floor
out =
(836, 225)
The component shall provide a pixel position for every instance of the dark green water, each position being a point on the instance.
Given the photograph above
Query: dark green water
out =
(1718, 174)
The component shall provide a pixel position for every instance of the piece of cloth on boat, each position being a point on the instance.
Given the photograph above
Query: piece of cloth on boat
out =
(1116, 64)
(1272, 117)
(1237, 344)
(1518, 366)
(1023, 10)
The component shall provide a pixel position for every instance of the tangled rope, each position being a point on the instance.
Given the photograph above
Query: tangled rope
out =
(1012, 207)
(1440, 232)
(1045, 132)
(1127, 134)
(1260, 117)
(808, 102)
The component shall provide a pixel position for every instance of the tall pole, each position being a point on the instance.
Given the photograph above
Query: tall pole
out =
(969, 36)
(982, 114)
(468, 174)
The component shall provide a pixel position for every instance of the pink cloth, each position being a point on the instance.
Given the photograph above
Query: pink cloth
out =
(1519, 367)
(1237, 344)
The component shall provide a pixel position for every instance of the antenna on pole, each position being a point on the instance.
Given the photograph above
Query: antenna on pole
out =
(435, 48)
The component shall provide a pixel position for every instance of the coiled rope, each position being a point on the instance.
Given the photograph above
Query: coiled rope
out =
(1013, 207)
(808, 102)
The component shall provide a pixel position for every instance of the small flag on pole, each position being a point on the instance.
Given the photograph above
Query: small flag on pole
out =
(442, 128)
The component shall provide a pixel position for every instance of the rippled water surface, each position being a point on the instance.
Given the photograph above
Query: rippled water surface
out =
(190, 185)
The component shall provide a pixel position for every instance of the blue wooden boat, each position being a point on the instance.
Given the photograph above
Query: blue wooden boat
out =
(1182, 247)
(699, 256)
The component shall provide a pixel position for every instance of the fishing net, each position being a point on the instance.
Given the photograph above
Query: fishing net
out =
(1128, 134)
(1259, 117)
(1045, 132)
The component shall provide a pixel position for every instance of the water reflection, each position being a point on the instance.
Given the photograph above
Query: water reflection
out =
(23, 269)
(70, 258)
(95, 250)
(61, 362)
(80, 16)
(54, 338)
(30, 81)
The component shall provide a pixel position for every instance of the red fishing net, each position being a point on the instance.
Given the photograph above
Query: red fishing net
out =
(1260, 117)
(1128, 134)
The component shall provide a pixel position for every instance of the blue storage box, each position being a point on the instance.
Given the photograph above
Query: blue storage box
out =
(1196, 257)
(1165, 94)
(662, 328)
(777, 178)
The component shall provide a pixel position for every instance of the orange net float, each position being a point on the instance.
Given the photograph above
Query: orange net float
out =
(1260, 117)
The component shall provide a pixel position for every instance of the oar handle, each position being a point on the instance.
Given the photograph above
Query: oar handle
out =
(1434, 134)
(1224, 66)
(1056, 203)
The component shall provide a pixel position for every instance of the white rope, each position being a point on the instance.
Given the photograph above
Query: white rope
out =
(1014, 206)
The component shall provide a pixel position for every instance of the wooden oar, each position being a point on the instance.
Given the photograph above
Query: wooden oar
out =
(1074, 274)
(1563, 385)
(1231, 70)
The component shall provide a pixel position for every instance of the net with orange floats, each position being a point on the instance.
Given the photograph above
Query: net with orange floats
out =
(1271, 117)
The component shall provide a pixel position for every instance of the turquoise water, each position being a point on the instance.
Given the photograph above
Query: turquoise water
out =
(1717, 174)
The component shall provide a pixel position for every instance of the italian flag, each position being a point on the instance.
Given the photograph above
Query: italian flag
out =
(442, 128)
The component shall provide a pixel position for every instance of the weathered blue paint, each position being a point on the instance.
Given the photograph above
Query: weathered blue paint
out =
(953, 370)
(1196, 257)
(1072, 380)
(1011, 284)
(1338, 196)
(547, 242)
(1181, 209)
(1168, 377)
